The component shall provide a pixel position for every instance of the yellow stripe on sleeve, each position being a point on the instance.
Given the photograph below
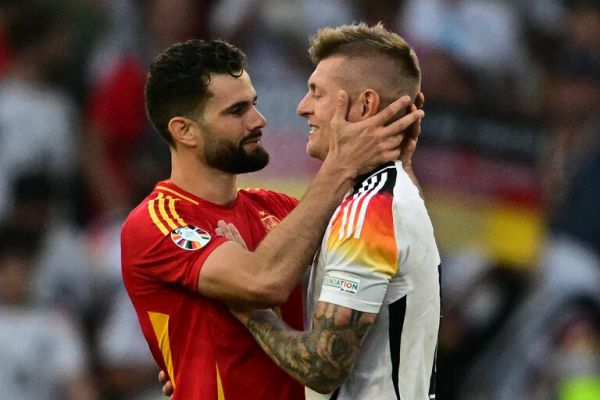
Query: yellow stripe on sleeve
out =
(160, 324)
(155, 218)
(220, 391)
(179, 220)
(163, 212)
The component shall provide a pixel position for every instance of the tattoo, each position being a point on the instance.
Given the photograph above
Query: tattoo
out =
(321, 358)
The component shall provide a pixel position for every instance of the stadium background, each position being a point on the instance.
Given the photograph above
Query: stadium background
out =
(509, 160)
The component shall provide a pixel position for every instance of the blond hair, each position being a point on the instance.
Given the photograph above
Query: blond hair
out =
(385, 59)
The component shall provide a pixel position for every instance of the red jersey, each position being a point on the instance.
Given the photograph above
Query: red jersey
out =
(207, 353)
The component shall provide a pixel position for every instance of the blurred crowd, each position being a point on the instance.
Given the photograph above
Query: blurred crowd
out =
(509, 160)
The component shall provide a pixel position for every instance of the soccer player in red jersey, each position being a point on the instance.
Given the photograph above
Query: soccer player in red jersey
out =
(179, 274)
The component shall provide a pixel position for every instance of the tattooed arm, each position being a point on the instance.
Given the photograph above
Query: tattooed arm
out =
(321, 358)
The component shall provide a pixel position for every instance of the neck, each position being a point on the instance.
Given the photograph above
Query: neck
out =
(209, 184)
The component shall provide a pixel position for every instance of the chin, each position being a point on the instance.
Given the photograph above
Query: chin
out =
(312, 152)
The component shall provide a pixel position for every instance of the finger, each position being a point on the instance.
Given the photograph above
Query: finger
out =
(404, 122)
(411, 146)
(390, 155)
(414, 130)
(167, 389)
(420, 100)
(227, 234)
(162, 377)
(408, 146)
(238, 237)
(417, 129)
(229, 230)
(391, 143)
(394, 108)
(341, 108)
(219, 232)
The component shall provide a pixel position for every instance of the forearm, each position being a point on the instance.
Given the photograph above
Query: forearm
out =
(286, 252)
(270, 273)
(321, 358)
(297, 352)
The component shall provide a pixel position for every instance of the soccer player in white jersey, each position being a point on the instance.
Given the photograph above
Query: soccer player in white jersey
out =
(374, 295)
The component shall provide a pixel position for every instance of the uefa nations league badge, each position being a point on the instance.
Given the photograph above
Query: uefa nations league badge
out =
(190, 237)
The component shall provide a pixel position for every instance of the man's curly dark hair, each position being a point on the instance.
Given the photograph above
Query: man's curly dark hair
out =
(178, 79)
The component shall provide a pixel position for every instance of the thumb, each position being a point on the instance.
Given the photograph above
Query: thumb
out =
(420, 100)
(341, 108)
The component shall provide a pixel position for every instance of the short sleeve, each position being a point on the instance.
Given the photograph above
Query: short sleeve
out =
(162, 243)
(361, 254)
(177, 257)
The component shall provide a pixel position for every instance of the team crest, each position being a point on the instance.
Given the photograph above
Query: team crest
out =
(190, 237)
(268, 221)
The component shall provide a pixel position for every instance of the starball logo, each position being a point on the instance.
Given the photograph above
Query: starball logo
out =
(346, 285)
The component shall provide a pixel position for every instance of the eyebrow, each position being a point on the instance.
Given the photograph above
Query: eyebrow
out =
(243, 103)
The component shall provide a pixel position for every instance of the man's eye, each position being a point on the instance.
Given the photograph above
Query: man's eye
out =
(237, 111)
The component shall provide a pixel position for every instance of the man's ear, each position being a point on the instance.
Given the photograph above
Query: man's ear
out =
(184, 131)
(368, 102)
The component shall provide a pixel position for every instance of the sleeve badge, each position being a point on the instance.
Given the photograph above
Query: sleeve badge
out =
(190, 237)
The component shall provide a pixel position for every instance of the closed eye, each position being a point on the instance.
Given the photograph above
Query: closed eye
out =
(240, 108)
(314, 92)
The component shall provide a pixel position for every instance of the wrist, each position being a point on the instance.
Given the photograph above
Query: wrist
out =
(341, 171)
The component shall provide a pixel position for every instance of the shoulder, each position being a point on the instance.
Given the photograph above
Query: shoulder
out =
(270, 199)
(157, 216)
(389, 186)
(370, 201)
(380, 180)
(166, 238)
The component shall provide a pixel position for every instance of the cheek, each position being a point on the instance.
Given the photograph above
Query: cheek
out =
(324, 111)
(324, 114)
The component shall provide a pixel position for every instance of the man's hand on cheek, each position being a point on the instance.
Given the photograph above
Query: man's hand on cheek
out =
(363, 145)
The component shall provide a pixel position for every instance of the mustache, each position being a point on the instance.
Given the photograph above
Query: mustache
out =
(252, 136)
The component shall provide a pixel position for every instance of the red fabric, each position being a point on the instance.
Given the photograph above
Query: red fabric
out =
(4, 53)
(117, 103)
(115, 111)
(162, 277)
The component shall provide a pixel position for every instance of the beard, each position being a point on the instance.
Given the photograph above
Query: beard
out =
(231, 157)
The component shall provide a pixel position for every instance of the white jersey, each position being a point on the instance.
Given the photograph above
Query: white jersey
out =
(379, 255)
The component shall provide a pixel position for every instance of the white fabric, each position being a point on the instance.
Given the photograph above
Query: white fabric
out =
(416, 279)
